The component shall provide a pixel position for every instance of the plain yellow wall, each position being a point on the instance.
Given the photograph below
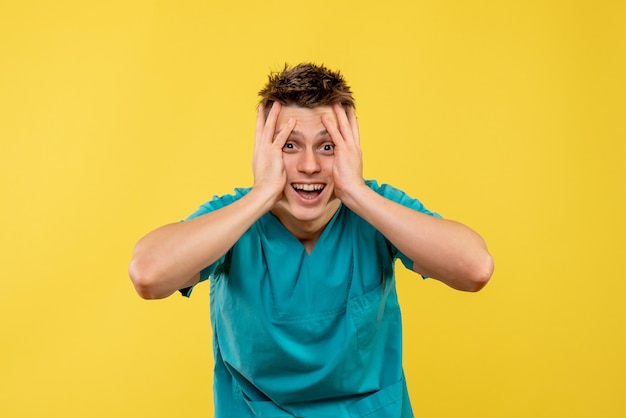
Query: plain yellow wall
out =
(117, 117)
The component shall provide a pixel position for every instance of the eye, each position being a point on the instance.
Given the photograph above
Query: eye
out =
(328, 148)
(289, 146)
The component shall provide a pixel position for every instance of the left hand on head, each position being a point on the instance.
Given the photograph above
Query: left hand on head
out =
(348, 163)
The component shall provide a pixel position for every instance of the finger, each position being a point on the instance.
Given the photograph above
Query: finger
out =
(343, 123)
(270, 124)
(284, 133)
(260, 123)
(331, 128)
(354, 124)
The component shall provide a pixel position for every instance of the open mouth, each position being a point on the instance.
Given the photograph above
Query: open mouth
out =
(308, 191)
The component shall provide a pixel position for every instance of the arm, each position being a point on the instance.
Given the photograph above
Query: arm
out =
(442, 249)
(172, 256)
(439, 248)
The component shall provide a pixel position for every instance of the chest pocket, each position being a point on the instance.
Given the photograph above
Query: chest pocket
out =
(367, 312)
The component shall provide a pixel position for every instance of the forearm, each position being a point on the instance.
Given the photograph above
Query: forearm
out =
(172, 256)
(439, 248)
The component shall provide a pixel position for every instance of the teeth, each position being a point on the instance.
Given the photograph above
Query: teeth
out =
(308, 187)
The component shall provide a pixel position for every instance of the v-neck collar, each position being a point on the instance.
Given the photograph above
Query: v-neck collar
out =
(272, 218)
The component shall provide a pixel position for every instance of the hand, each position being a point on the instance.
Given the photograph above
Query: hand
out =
(348, 162)
(268, 167)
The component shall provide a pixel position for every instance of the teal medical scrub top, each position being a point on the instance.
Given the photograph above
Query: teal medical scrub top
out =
(308, 335)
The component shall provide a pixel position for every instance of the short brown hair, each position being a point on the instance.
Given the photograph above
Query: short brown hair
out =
(306, 85)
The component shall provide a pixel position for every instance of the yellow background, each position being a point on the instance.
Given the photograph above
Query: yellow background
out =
(117, 117)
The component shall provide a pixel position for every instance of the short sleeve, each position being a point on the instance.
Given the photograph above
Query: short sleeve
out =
(398, 196)
(214, 204)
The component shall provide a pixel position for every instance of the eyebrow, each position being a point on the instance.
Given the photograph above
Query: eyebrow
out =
(320, 133)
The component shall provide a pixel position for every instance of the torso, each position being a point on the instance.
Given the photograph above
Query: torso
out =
(304, 323)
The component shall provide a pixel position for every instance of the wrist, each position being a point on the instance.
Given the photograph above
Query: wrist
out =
(351, 195)
(266, 196)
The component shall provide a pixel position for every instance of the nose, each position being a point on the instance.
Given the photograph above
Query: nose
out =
(309, 162)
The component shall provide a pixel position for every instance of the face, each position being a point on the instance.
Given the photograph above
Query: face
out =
(308, 201)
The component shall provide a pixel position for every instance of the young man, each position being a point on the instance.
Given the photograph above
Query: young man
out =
(304, 310)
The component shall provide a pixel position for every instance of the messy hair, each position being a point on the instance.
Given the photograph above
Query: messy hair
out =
(306, 85)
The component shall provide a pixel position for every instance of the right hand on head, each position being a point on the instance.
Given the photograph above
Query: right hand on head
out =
(268, 167)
